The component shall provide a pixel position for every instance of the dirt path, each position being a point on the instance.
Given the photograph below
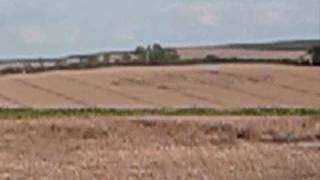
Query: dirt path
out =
(161, 148)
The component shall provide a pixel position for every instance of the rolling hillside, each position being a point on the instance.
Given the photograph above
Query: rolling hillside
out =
(279, 45)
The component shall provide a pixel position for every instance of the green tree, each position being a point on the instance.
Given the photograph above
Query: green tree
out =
(157, 54)
(148, 54)
(140, 50)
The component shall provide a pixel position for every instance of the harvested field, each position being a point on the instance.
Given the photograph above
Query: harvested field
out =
(84, 144)
(248, 54)
(211, 86)
(252, 148)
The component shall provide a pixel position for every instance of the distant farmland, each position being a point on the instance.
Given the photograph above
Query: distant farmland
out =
(289, 50)
(239, 53)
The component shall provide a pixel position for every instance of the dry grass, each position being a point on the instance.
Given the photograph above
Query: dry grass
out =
(160, 147)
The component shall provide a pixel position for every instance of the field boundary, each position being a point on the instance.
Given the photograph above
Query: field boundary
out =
(181, 62)
(25, 113)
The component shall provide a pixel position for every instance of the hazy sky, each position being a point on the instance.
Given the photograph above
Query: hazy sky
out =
(59, 27)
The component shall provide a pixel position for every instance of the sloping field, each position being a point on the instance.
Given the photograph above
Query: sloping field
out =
(249, 54)
(225, 148)
(215, 86)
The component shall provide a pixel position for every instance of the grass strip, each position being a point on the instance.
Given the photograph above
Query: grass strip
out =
(23, 113)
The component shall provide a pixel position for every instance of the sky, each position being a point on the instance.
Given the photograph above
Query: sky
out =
(42, 28)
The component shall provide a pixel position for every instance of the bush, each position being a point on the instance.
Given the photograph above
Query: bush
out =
(12, 70)
(211, 57)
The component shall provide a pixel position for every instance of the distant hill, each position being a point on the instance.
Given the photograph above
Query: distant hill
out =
(280, 45)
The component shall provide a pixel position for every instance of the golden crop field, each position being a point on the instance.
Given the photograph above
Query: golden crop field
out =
(213, 86)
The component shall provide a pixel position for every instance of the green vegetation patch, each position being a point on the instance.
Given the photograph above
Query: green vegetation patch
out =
(25, 113)
(292, 45)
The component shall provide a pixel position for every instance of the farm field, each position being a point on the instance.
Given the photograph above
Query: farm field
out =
(157, 147)
(239, 53)
(220, 86)
(160, 90)
(131, 141)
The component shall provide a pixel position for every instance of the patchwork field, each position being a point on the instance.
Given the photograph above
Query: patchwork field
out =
(214, 86)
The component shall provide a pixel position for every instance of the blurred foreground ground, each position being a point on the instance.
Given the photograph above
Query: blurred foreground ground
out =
(161, 148)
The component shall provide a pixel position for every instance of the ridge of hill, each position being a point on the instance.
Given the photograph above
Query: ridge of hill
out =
(278, 45)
